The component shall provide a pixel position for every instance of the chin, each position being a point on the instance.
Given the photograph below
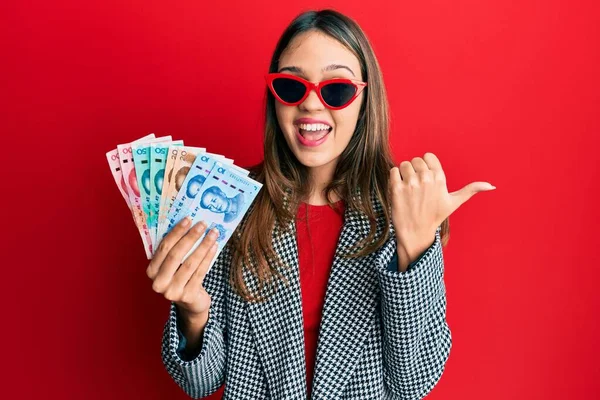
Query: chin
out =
(311, 159)
(314, 162)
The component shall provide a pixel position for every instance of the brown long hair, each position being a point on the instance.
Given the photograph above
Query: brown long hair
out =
(364, 165)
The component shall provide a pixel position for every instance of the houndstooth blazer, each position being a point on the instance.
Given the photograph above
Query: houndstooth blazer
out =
(383, 333)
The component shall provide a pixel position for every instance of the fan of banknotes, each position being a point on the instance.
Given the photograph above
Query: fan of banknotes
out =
(163, 181)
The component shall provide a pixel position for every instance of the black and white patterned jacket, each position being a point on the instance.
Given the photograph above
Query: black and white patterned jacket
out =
(383, 333)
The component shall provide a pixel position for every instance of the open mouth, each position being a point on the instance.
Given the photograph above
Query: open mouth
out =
(312, 134)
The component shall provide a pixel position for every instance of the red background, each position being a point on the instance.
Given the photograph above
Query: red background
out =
(502, 93)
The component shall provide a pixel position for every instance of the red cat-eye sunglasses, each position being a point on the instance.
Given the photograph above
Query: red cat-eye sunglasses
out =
(335, 94)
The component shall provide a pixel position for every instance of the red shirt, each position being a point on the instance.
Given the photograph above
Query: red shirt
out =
(317, 231)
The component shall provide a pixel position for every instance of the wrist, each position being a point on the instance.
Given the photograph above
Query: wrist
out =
(192, 318)
(192, 327)
(403, 259)
(408, 252)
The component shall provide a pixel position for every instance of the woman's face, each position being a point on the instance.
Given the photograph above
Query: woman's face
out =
(317, 57)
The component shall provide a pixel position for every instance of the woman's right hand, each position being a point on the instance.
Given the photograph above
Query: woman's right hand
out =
(181, 282)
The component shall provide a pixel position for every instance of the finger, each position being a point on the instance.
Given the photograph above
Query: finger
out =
(197, 279)
(432, 161)
(395, 177)
(461, 196)
(419, 164)
(166, 245)
(406, 171)
(175, 257)
(434, 164)
(190, 265)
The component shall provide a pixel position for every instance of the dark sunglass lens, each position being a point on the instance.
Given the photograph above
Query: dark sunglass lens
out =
(337, 94)
(289, 90)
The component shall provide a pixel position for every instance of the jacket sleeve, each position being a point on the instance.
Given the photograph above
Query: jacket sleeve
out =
(204, 373)
(416, 337)
(393, 265)
(181, 348)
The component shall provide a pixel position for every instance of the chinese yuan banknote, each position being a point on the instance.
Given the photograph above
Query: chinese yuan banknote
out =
(144, 156)
(178, 165)
(223, 199)
(115, 163)
(194, 207)
(115, 167)
(162, 181)
(158, 164)
(126, 159)
(190, 185)
(194, 177)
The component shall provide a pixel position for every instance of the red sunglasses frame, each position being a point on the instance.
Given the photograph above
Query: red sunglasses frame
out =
(359, 85)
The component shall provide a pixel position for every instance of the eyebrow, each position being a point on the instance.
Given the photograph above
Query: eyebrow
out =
(330, 67)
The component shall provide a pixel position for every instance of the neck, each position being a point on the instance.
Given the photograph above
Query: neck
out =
(320, 177)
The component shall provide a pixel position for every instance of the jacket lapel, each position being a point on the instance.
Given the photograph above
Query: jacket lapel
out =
(351, 300)
(278, 325)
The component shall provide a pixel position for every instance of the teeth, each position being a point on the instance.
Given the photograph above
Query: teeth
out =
(314, 127)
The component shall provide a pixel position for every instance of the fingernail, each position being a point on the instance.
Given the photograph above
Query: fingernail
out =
(214, 233)
(185, 222)
(200, 226)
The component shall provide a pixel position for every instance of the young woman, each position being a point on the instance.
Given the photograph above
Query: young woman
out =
(332, 287)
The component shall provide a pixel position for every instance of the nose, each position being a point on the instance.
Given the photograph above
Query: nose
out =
(312, 102)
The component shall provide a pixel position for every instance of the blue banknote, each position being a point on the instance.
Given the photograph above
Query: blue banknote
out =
(195, 177)
(223, 199)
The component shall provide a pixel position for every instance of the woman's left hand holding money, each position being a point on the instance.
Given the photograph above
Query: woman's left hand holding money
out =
(421, 202)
